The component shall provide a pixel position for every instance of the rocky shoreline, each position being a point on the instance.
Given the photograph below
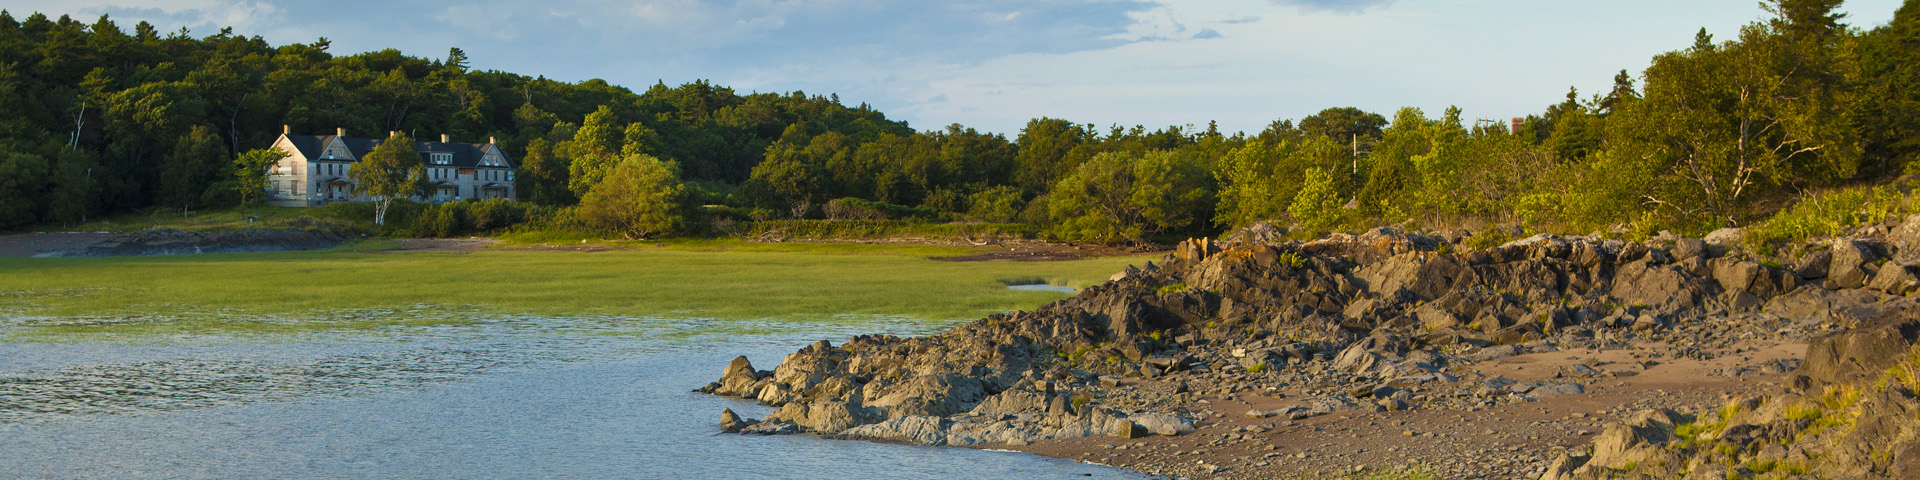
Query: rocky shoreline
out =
(1389, 351)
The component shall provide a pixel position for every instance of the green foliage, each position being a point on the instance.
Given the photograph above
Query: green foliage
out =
(1175, 287)
(22, 182)
(1317, 206)
(857, 209)
(1001, 204)
(639, 197)
(250, 171)
(1118, 197)
(1828, 213)
(472, 216)
(392, 171)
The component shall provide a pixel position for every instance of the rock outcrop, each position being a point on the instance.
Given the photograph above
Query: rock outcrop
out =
(1373, 322)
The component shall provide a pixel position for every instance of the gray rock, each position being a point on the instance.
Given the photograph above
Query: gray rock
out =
(1896, 279)
(1012, 402)
(1813, 265)
(1689, 248)
(1162, 423)
(921, 429)
(934, 395)
(1860, 353)
(1623, 443)
(1725, 237)
(1849, 266)
(1906, 240)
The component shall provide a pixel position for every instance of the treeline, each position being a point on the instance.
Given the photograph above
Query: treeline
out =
(96, 119)
(1718, 134)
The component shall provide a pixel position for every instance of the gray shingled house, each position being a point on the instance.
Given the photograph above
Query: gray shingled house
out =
(315, 171)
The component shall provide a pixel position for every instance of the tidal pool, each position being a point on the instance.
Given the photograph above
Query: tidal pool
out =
(498, 397)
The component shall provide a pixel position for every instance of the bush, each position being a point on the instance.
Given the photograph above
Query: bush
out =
(1827, 214)
(1002, 204)
(857, 209)
(469, 217)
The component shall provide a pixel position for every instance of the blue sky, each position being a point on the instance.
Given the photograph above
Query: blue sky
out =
(994, 64)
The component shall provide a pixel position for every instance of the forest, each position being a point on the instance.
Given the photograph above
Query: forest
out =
(1726, 132)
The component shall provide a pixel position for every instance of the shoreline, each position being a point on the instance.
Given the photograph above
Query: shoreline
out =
(1380, 354)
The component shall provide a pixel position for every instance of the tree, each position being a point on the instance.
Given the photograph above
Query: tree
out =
(189, 169)
(22, 178)
(1317, 205)
(457, 58)
(1890, 62)
(1725, 122)
(1249, 185)
(250, 171)
(1344, 124)
(595, 148)
(391, 172)
(640, 196)
(1117, 196)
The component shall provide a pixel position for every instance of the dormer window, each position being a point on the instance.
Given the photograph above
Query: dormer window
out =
(442, 158)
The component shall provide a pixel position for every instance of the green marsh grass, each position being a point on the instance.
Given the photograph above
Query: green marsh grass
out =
(345, 288)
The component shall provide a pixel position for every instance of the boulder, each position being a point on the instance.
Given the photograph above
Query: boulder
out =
(1906, 240)
(804, 369)
(731, 422)
(1127, 429)
(1162, 423)
(1725, 237)
(1813, 265)
(739, 379)
(1850, 265)
(934, 395)
(828, 416)
(1896, 279)
(775, 394)
(1861, 353)
(918, 429)
(1634, 440)
(1012, 402)
(1689, 248)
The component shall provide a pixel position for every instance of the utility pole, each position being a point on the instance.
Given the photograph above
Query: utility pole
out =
(1356, 154)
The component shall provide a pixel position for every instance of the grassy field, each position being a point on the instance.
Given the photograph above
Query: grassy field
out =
(683, 279)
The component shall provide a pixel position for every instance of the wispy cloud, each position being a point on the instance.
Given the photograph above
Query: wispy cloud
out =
(1335, 6)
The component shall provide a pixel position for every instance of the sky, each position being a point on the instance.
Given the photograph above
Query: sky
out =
(995, 64)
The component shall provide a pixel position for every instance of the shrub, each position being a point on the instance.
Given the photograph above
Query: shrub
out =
(1827, 214)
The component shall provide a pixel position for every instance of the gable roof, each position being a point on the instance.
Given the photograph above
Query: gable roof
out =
(465, 155)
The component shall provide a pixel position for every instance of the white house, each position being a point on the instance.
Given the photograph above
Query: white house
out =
(315, 171)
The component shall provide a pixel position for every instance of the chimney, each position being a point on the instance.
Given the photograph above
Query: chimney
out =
(286, 130)
(443, 138)
(490, 141)
(1517, 123)
(339, 131)
(391, 133)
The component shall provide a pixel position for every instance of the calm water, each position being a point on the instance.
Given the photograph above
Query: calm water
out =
(1044, 288)
(501, 398)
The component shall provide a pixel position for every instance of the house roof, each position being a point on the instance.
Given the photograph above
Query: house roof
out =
(465, 155)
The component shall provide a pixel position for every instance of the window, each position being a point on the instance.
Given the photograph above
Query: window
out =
(441, 158)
